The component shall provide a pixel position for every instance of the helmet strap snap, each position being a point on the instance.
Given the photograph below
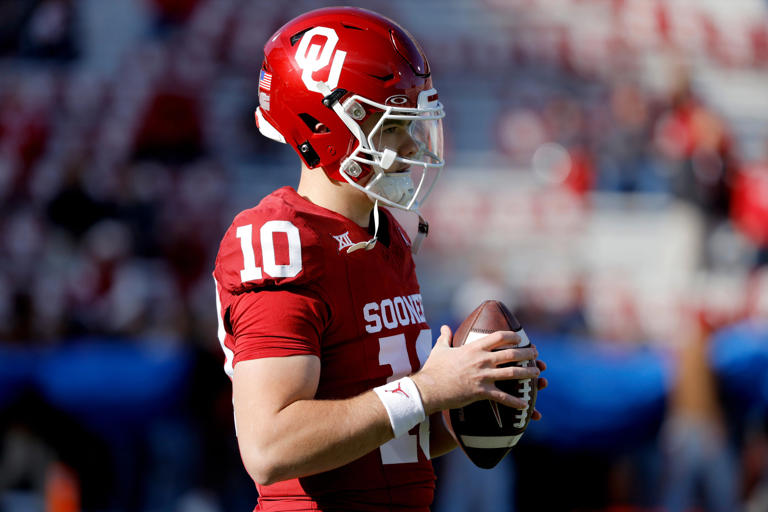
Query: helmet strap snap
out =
(330, 97)
(309, 154)
(352, 169)
(355, 110)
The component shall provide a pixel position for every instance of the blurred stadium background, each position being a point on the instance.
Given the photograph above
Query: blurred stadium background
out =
(607, 178)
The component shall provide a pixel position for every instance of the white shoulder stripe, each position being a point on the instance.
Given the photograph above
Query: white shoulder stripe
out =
(229, 356)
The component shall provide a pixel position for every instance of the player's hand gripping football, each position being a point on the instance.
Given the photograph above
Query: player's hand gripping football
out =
(454, 377)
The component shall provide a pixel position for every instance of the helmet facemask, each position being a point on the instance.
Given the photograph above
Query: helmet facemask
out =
(403, 149)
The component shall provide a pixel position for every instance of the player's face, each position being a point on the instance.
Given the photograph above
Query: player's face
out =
(404, 151)
(394, 134)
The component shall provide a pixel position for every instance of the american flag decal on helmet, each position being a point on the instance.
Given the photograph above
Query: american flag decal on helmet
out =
(265, 80)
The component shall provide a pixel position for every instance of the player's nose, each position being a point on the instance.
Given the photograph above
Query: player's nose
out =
(407, 147)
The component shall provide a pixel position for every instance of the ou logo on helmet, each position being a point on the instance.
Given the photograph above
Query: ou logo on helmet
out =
(316, 57)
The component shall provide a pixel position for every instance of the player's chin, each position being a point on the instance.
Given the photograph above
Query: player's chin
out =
(356, 192)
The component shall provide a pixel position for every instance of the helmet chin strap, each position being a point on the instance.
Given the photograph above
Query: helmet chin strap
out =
(421, 235)
(370, 244)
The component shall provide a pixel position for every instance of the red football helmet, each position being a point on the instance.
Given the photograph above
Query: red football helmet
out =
(332, 80)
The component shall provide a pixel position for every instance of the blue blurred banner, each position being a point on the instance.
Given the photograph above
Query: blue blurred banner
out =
(599, 395)
(103, 383)
(605, 396)
(739, 354)
(17, 372)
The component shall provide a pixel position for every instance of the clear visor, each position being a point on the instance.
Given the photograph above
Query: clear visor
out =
(404, 147)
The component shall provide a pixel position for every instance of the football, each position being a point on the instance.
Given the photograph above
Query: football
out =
(487, 430)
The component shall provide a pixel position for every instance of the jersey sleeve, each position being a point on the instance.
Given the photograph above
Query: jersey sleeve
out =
(268, 246)
(272, 272)
(277, 323)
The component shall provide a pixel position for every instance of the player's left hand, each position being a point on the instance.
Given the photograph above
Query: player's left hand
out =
(543, 383)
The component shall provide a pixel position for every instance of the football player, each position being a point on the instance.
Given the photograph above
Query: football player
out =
(336, 387)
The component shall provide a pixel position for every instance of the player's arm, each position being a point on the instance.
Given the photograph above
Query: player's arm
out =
(307, 442)
(284, 433)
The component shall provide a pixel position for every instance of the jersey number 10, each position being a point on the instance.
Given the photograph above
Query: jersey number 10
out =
(250, 271)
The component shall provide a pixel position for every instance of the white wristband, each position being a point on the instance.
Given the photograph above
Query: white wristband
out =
(402, 401)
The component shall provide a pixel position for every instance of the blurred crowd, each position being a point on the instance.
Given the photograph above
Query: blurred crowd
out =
(119, 176)
(115, 182)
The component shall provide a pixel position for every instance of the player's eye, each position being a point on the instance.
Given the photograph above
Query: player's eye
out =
(390, 129)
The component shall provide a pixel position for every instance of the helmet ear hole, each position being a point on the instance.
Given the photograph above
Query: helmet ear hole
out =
(313, 124)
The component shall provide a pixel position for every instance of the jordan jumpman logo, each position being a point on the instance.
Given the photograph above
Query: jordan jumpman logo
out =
(397, 390)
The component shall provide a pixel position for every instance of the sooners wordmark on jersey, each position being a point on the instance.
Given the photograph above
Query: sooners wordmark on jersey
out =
(284, 288)
(393, 313)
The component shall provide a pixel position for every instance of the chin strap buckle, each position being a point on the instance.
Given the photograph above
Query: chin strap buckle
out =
(370, 244)
(421, 235)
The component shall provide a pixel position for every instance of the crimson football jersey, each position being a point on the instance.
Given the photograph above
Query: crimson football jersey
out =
(286, 285)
